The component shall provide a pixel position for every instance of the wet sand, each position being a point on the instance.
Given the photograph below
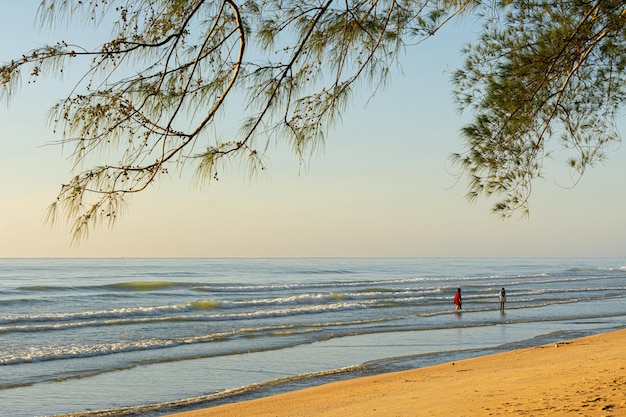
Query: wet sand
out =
(580, 377)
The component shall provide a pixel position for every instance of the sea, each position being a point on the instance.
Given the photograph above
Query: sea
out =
(152, 337)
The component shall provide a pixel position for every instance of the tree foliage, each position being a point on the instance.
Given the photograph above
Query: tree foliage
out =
(541, 70)
(151, 98)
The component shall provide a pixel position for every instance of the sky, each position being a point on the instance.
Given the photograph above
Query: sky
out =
(382, 187)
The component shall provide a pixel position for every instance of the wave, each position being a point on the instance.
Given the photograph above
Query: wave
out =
(66, 377)
(204, 399)
(320, 271)
(27, 328)
(216, 287)
(75, 350)
(326, 330)
(205, 305)
(318, 300)
(597, 269)
(72, 351)
(142, 286)
(360, 286)
(119, 286)
(37, 288)
(293, 305)
(100, 314)
(146, 285)
(162, 312)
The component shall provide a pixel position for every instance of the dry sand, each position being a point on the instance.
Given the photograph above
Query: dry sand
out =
(581, 377)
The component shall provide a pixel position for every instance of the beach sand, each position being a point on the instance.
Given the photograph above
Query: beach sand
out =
(581, 377)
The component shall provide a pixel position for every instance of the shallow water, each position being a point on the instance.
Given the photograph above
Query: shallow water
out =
(156, 336)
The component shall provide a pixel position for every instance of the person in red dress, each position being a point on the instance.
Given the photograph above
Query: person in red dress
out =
(458, 301)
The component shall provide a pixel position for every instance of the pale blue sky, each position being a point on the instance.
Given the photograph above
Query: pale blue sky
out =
(382, 187)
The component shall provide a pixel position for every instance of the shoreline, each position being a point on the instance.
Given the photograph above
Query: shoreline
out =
(583, 376)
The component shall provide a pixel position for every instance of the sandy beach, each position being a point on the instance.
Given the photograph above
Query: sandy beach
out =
(582, 377)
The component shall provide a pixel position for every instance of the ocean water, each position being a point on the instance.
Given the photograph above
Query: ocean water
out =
(150, 337)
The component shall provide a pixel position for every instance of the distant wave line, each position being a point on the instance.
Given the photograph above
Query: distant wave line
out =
(143, 286)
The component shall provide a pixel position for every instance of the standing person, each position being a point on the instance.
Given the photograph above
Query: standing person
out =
(458, 301)
(502, 298)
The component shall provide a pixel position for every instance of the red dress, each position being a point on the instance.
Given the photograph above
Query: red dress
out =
(457, 299)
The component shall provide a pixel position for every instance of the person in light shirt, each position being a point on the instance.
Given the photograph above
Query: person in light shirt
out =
(502, 299)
